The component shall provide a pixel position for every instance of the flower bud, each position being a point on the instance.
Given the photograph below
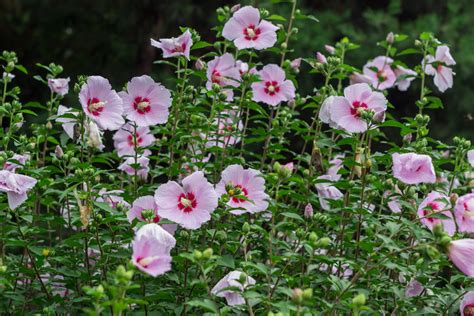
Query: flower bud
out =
(246, 228)
(308, 211)
(297, 296)
(390, 38)
(58, 152)
(235, 8)
(445, 241)
(46, 252)
(197, 254)
(359, 299)
(308, 294)
(199, 64)
(49, 125)
(330, 49)
(207, 254)
(284, 45)
(324, 242)
(321, 58)
(313, 237)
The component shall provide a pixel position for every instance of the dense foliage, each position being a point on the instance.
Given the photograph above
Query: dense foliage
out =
(205, 203)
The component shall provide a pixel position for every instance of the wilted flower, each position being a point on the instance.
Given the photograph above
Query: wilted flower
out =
(125, 140)
(438, 203)
(189, 205)
(223, 72)
(175, 46)
(151, 250)
(225, 287)
(347, 111)
(381, 73)
(411, 168)
(16, 186)
(470, 157)
(59, 85)
(464, 213)
(437, 66)
(146, 102)
(246, 30)
(461, 253)
(246, 189)
(101, 103)
(335, 165)
(274, 88)
(359, 78)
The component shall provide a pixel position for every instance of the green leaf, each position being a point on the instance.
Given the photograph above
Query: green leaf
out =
(204, 304)
(276, 17)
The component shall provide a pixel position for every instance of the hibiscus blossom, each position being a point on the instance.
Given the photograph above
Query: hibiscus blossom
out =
(223, 71)
(146, 102)
(467, 304)
(101, 103)
(124, 139)
(346, 112)
(245, 188)
(151, 250)
(175, 46)
(461, 253)
(380, 72)
(67, 123)
(189, 205)
(435, 203)
(327, 191)
(59, 85)
(274, 88)
(464, 213)
(16, 186)
(230, 287)
(247, 30)
(411, 168)
(437, 66)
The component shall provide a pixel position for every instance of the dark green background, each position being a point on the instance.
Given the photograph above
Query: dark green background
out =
(111, 38)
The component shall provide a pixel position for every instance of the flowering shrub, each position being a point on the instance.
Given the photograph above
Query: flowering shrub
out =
(228, 192)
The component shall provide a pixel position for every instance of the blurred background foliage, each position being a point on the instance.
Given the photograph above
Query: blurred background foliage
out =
(111, 38)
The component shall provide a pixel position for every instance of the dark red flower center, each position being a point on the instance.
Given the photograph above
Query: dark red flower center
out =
(216, 76)
(271, 88)
(432, 206)
(469, 310)
(131, 140)
(439, 68)
(95, 106)
(187, 202)
(179, 48)
(238, 190)
(357, 107)
(141, 105)
(381, 76)
(251, 33)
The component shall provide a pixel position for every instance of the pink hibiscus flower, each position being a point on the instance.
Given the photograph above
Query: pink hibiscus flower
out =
(467, 304)
(16, 186)
(238, 182)
(231, 288)
(67, 123)
(464, 213)
(274, 88)
(146, 102)
(124, 140)
(15, 162)
(101, 103)
(59, 85)
(346, 111)
(147, 203)
(223, 71)
(247, 30)
(414, 288)
(151, 250)
(437, 66)
(404, 77)
(470, 157)
(335, 165)
(436, 203)
(142, 160)
(380, 72)
(175, 46)
(325, 112)
(411, 168)
(189, 205)
(327, 191)
(461, 253)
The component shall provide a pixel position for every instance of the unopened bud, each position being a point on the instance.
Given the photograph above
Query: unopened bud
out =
(390, 38)
(321, 58)
(297, 296)
(58, 152)
(330, 49)
(359, 299)
(207, 254)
